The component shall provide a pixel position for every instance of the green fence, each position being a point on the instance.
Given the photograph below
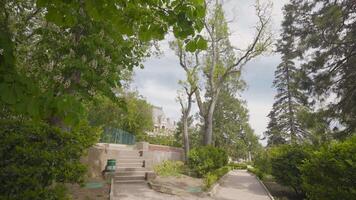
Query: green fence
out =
(117, 136)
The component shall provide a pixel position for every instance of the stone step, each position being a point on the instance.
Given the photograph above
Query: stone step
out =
(130, 178)
(129, 160)
(129, 181)
(128, 165)
(123, 169)
(130, 173)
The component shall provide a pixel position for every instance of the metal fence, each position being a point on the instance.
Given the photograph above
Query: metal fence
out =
(117, 136)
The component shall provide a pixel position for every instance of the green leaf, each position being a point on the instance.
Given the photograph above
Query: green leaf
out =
(7, 93)
(191, 46)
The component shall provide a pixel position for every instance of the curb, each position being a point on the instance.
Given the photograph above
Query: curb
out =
(111, 197)
(211, 192)
(263, 185)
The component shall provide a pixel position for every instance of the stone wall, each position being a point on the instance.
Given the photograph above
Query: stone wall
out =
(161, 153)
(153, 154)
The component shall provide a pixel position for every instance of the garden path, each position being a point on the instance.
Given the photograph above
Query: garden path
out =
(241, 185)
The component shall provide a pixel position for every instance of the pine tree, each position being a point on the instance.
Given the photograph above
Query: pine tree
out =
(284, 125)
(326, 33)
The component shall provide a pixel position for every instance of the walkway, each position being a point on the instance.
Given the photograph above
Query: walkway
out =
(238, 184)
(241, 185)
(141, 191)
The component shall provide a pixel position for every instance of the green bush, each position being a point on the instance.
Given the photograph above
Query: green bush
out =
(36, 159)
(262, 161)
(206, 159)
(330, 173)
(286, 161)
(161, 140)
(237, 165)
(169, 168)
(257, 172)
(211, 177)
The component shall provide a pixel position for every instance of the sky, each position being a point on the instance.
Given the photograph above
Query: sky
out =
(158, 81)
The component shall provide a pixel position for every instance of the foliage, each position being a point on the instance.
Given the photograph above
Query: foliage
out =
(166, 140)
(237, 165)
(326, 35)
(130, 113)
(318, 124)
(36, 159)
(209, 180)
(284, 126)
(169, 168)
(330, 172)
(206, 159)
(259, 173)
(262, 161)
(57, 54)
(212, 177)
(221, 61)
(231, 126)
(194, 133)
(286, 162)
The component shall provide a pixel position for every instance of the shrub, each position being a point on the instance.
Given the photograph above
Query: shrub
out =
(36, 159)
(331, 172)
(211, 177)
(206, 159)
(262, 161)
(161, 140)
(286, 161)
(257, 172)
(169, 168)
(237, 165)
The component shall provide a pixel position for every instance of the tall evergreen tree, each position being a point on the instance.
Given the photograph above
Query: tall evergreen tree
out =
(327, 34)
(284, 125)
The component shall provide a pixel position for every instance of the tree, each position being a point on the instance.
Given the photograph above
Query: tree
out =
(186, 100)
(132, 114)
(284, 124)
(326, 35)
(232, 130)
(57, 54)
(221, 60)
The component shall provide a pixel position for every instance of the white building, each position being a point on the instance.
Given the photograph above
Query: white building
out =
(162, 124)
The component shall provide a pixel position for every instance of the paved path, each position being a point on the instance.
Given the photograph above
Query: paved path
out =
(241, 185)
(238, 185)
(141, 191)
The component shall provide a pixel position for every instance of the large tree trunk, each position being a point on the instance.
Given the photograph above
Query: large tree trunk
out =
(208, 121)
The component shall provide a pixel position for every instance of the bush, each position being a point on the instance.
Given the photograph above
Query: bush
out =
(237, 165)
(262, 161)
(212, 177)
(169, 168)
(331, 172)
(161, 140)
(257, 172)
(206, 159)
(286, 161)
(36, 159)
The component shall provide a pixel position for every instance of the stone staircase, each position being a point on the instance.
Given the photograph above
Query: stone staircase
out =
(131, 167)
